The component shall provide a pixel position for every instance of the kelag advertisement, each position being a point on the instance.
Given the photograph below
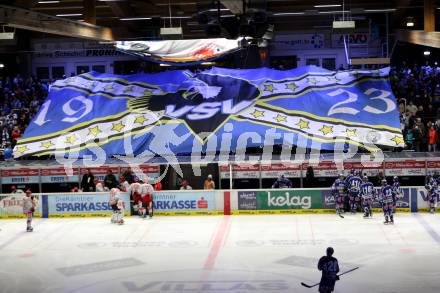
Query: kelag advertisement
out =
(87, 204)
(189, 202)
(284, 199)
(288, 199)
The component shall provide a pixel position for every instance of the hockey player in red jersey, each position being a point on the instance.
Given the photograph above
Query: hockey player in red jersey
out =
(135, 192)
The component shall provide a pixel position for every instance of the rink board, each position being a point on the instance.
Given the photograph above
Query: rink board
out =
(199, 203)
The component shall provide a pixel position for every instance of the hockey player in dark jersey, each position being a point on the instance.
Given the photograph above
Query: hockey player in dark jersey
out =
(330, 269)
(282, 182)
(367, 195)
(397, 192)
(354, 188)
(431, 181)
(386, 197)
(349, 176)
(432, 197)
(339, 192)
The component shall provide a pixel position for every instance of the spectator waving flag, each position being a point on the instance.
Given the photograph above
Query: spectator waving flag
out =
(178, 112)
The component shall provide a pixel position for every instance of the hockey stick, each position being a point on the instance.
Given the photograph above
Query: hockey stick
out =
(341, 216)
(311, 286)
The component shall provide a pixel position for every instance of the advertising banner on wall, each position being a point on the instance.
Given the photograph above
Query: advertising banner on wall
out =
(20, 176)
(291, 170)
(289, 199)
(101, 172)
(180, 202)
(11, 205)
(433, 165)
(297, 41)
(369, 168)
(247, 200)
(242, 171)
(323, 169)
(152, 171)
(422, 199)
(355, 40)
(82, 204)
(58, 175)
(405, 167)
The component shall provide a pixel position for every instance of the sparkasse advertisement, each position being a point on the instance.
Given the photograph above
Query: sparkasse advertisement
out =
(82, 204)
(183, 202)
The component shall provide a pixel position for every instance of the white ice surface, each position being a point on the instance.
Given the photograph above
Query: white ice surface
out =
(216, 254)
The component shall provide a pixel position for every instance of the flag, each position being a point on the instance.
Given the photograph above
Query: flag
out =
(228, 110)
(180, 52)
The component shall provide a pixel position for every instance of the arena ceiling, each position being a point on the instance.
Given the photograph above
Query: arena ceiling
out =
(199, 18)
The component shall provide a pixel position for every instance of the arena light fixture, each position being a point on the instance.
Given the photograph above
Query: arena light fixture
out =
(427, 53)
(2, 65)
(49, 2)
(176, 17)
(288, 13)
(327, 5)
(409, 21)
(134, 18)
(380, 10)
(334, 12)
(69, 14)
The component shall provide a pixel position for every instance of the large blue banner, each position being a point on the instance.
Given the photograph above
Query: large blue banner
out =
(180, 112)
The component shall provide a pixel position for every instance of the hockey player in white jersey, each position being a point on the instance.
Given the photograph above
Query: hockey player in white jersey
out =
(117, 205)
(113, 203)
(147, 199)
(99, 186)
(29, 204)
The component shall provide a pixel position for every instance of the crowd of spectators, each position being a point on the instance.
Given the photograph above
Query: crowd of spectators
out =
(417, 90)
(20, 99)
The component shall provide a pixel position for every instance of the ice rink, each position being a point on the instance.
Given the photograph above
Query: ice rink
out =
(234, 254)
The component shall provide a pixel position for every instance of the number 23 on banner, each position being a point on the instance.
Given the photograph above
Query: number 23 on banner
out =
(383, 96)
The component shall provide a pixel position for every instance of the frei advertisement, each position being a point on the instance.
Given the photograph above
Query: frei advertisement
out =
(184, 201)
(82, 204)
(12, 205)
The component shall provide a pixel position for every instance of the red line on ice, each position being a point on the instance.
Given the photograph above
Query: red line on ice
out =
(217, 243)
